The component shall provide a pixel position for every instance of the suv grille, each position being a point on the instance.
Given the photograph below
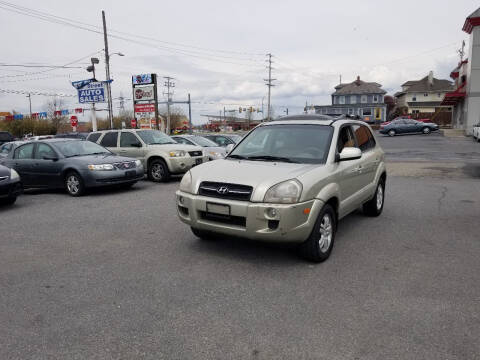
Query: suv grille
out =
(125, 165)
(225, 191)
(195, 153)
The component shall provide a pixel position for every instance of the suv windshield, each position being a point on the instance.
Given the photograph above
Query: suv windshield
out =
(150, 137)
(80, 148)
(288, 143)
(199, 140)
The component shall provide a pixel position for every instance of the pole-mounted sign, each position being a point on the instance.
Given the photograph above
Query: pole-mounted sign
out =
(145, 100)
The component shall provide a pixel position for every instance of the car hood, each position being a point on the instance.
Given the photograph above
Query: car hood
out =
(261, 175)
(173, 147)
(99, 159)
(4, 171)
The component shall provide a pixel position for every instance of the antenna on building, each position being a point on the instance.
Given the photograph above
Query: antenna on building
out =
(340, 79)
(461, 52)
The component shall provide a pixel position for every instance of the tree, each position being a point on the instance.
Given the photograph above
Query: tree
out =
(57, 121)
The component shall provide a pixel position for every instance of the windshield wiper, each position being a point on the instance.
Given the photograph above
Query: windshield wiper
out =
(271, 158)
(236, 156)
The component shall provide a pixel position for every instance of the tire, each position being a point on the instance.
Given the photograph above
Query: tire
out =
(426, 130)
(374, 207)
(9, 200)
(204, 235)
(74, 184)
(319, 245)
(158, 171)
(392, 132)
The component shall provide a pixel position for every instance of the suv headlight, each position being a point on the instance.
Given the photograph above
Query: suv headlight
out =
(186, 183)
(14, 175)
(216, 155)
(101, 167)
(138, 163)
(287, 192)
(177, 153)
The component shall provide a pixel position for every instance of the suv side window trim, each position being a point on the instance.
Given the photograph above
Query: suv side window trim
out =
(352, 135)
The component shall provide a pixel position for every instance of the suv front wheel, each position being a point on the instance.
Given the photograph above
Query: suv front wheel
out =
(158, 171)
(319, 245)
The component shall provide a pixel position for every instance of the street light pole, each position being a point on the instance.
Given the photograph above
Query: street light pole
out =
(30, 102)
(107, 71)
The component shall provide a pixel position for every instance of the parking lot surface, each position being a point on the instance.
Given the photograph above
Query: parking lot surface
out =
(115, 275)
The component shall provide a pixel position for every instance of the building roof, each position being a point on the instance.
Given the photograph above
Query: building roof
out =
(359, 87)
(408, 83)
(423, 85)
(471, 21)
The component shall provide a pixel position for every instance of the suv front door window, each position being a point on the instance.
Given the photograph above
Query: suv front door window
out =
(131, 146)
(110, 140)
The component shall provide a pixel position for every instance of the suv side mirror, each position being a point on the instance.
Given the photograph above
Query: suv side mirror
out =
(229, 148)
(137, 144)
(350, 153)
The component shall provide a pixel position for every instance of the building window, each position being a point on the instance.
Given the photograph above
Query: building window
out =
(353, 99)
(439, 95)
(364, 99)
(341, 99)
(414, 97)
(367, 112)
(425, 94)
(375, 98)
(415, 111)
(351, 111)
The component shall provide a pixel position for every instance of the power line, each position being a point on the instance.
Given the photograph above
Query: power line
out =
(42, 66)
(25, 92)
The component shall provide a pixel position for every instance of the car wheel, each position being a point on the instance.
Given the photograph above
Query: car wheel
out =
(426, 130)
(9, 200)
(319, 244)
(392, 132)
(374, 207)
(74, 184)
(204, 235)
(158, 171)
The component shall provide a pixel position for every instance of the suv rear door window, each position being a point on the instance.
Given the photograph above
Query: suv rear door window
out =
(94, 137)
(110, 139)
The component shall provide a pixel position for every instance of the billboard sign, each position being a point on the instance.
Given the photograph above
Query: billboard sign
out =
(144, 93)
(80, 84)
(93, 92)
(145, 116)
(142, 79)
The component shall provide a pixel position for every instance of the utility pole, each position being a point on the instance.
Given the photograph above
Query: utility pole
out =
(169, 84)
(269, 83)
(30, 102)
(107, 71)
(189, 115)
(224, 120)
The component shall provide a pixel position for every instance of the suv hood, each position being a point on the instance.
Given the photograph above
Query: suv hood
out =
(173, 147)
(261, 175)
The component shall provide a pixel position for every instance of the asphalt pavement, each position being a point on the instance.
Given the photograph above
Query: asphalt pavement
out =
(115, 275)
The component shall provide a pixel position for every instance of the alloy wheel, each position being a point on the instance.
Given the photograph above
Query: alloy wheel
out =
(73, 184)
(379, 196)
(326, 233)
(158, 172)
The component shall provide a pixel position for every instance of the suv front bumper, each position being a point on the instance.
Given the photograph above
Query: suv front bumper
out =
(291, 222)
(180, 165)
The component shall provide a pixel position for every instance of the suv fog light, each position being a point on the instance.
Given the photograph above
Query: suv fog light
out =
(271, 212)
(181, 200)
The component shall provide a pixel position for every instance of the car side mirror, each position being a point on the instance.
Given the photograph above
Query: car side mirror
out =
(53, 158)
(229, 148)
(137, 145)
(350, 153)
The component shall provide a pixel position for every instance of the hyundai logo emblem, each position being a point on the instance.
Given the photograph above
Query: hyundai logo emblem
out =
(222, 190)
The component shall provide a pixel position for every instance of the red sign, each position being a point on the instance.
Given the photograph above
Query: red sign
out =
(73, 121)
(144, 108)
(133, 123)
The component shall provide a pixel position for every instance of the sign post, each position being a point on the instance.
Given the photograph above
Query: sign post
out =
(145, 101)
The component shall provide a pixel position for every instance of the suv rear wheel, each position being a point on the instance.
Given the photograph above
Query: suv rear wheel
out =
(319, 245)
(158, 171)
(374, 207)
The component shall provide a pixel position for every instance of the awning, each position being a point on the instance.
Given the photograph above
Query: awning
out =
(453, 98)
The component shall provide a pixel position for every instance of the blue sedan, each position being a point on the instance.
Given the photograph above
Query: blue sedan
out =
(407, 126)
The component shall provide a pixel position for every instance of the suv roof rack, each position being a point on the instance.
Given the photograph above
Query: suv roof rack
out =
(306, 117)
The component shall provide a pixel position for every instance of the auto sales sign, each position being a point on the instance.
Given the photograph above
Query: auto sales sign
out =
(90, 91)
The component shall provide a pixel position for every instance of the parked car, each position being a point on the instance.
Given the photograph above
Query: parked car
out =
(39, 137)
(72, 135)
(5, 136)
(160, 155)
(75, 165)
(289, 180)
(213, 151)
(407, 126)
(10, 185)
(476, 132)
(406, 118)
(8, 147)
(224, 139)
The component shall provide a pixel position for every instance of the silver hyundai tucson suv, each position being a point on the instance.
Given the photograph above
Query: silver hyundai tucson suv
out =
(289, 180)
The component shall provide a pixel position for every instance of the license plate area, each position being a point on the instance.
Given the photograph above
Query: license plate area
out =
(218, 209)
(130, 173)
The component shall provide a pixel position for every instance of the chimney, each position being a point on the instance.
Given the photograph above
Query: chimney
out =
(358, 80)
(430, 78)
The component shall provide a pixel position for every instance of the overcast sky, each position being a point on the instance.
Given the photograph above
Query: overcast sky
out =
(216, 49)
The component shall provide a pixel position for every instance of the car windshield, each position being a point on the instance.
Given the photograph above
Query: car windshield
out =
(235, 138)
(80, 148)
(151, 137)
(199, 140)
(287, 143)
